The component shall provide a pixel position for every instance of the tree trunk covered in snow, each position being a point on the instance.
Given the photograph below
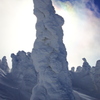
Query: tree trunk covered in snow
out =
(49, 55)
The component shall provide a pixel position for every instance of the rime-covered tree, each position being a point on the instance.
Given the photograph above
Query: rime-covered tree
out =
(49, 55)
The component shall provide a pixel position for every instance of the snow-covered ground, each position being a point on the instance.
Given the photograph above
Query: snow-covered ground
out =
(6, 84)
(81, 96)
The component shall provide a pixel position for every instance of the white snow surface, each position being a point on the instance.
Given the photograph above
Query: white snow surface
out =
(49, 55)
(23, 72)
(4, 65)
(81, 96)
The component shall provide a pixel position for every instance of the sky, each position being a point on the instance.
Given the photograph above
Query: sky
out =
(81, 28)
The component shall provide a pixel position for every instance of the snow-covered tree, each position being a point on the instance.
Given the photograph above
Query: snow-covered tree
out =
(49, 55)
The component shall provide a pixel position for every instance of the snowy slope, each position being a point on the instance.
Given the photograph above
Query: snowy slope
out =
(81, 96)
(8, 90)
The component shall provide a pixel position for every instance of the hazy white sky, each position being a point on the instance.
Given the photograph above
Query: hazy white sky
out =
(17, 26)
(81, 30)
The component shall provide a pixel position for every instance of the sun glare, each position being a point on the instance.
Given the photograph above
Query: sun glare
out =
(80, 29)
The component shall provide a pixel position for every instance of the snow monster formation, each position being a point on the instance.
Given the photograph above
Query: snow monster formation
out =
(96, 77)
(23, 72)
(4, 65)
(49, 55)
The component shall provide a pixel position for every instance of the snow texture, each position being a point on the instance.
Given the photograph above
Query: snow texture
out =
(23, 72)
(86, 67)
(49, 55)
(81, 96)
(4, 65)
(87, 79)
(79, 69)
(96, 76)
(8, 90)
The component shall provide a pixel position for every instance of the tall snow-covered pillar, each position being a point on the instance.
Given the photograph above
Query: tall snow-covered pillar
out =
(49, 55)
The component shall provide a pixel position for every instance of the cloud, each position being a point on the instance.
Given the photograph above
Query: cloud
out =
(81, 30)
